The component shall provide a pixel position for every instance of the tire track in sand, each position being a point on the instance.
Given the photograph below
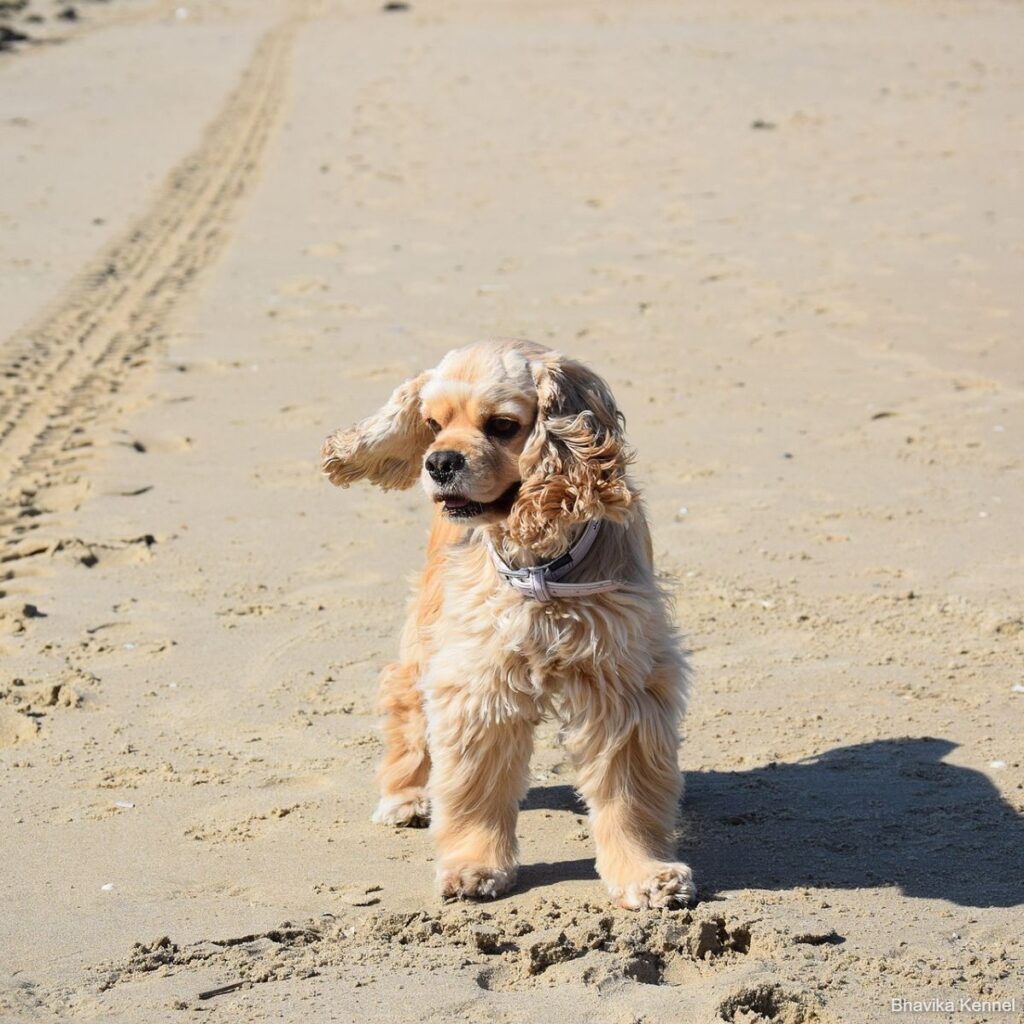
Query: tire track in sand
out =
(60, 373)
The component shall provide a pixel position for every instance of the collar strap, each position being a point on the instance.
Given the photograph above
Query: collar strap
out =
(541, 582)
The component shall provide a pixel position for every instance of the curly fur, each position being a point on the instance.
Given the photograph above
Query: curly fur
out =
(480, 664)
(574, 467)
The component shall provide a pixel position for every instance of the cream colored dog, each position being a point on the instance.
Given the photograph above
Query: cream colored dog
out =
(538, 598)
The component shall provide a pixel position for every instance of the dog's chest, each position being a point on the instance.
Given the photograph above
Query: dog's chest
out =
(528, 646)
(544, 643)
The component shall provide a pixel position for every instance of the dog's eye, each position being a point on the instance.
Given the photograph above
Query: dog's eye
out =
(501, 426)
(434, 426)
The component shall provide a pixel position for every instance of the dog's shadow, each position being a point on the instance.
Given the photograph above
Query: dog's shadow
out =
(889, 812)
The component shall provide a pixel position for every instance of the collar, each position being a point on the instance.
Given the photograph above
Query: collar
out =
(541, 582)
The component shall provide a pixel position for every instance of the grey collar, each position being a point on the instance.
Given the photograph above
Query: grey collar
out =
(541, 582)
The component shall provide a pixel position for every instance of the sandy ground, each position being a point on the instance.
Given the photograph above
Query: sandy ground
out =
(790, 236)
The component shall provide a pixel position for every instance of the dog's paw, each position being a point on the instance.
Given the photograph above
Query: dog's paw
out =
(403, 810)
(668, 885)
(473, 881)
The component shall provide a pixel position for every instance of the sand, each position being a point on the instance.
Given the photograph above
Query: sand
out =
(789, 235)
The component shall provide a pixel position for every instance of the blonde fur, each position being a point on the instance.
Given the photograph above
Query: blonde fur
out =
(480, 664)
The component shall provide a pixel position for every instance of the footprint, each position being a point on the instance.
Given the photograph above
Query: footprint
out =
(326, 250)
(303, 286)
(16, 728)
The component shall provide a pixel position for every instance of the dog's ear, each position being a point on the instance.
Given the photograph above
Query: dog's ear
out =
(573, 467)
(385, 448)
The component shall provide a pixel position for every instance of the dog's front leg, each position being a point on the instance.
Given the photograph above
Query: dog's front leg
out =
(406, 765)
(480, 744)
(625, 746)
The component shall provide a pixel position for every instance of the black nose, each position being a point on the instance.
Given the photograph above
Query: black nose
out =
(442, 466)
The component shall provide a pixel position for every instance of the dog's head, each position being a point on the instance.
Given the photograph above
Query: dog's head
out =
(502, 432)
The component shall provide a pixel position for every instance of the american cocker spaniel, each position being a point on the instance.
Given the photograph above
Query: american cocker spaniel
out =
(538, 598)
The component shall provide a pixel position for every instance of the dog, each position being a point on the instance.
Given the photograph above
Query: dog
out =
(538, 598)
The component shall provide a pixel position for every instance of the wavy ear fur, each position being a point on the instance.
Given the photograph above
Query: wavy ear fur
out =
(385, 448)
(573, 467)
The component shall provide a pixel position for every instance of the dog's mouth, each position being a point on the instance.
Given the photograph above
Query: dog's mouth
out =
(458, 506)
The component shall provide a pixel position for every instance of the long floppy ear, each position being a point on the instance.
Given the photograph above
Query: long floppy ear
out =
(573, 467)
(385, 448)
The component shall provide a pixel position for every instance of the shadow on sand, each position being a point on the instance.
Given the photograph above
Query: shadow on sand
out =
(889, 812)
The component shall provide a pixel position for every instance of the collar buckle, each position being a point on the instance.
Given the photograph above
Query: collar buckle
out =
(542, 582)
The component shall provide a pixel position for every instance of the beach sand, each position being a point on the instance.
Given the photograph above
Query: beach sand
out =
(790, 237)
